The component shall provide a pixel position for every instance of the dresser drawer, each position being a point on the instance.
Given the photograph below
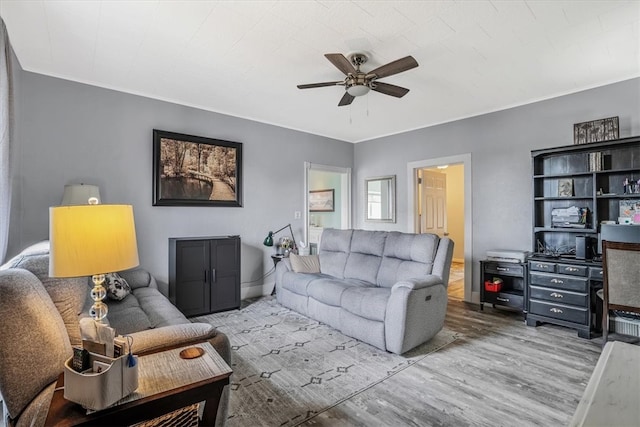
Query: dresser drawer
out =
(549, 267)
(507, 269)
(559, 311)
(595, 273)
(504, 298)
(578, 284)
(573, 270)
(559, 296)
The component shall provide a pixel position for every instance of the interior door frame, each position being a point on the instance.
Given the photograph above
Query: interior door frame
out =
(412, 175)
(345, 182)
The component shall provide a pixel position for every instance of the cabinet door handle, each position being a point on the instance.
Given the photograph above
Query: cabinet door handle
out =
(555, 295)
(205, 276)
(556, 281)
(600, 272)
(555, 310)
(571, 269)
(502, 299)
(213, 275)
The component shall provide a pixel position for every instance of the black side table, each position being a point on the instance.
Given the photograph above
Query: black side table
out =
(276, 259)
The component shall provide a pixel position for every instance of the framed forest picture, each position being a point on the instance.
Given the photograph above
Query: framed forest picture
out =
(196, 171)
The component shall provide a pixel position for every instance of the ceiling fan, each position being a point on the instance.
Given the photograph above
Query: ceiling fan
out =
(358, 83)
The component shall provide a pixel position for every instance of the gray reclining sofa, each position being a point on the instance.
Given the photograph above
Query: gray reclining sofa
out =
(388, 289)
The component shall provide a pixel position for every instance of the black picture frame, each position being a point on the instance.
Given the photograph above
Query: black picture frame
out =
(322, 200)
(188, 170)
(596, 130)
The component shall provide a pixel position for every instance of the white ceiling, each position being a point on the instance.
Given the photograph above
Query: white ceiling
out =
(245, 58)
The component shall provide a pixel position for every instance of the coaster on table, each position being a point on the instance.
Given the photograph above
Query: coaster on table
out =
(191, 353)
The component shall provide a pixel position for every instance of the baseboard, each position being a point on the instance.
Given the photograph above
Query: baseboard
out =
(257, 291)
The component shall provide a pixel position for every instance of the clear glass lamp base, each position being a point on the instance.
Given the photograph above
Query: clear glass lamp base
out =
(98, 310)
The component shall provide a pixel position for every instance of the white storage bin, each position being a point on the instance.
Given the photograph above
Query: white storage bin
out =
(100, 390)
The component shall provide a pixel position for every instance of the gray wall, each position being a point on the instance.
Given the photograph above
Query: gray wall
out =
(500, 145)
(75, 133)
(70, 133)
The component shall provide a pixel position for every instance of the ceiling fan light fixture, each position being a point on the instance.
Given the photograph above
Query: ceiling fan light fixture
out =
(358, 90)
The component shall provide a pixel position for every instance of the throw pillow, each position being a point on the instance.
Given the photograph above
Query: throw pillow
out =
(117, 287)
(305, 263)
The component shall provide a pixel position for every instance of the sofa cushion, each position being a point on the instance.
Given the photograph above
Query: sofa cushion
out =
(407, 256)
(35, 343)
(298, 283)
(329, 290)
(364, 258)
(67, 294)
(334, 250)
(158, 308)
(139, 278)
(127, 316)
(305, 264)
(369, 302)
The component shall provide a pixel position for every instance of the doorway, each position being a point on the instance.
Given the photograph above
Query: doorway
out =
(441, 204)
(332, 186)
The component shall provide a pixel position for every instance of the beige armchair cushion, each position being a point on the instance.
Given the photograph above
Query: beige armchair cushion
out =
(35, 344)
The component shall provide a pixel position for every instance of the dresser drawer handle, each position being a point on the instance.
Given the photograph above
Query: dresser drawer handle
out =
(502, 268)
(502, 299)
(542, 266)
(555, 310)
(600, 272)
(556, 295)
(556, 281)
(572, 269)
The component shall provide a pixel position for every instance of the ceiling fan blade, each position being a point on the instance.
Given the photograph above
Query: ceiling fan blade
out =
(312, 85)
(346, 99)
(395, 67)
(388, 89)
(341, 63)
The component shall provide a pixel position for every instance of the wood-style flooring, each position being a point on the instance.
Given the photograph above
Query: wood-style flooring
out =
(500, 372)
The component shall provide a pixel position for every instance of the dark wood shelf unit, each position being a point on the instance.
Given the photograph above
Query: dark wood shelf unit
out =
(562, 290)
(204, 274)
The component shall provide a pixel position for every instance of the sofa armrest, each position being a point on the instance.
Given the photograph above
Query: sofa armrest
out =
(166, 337)
(423, 282)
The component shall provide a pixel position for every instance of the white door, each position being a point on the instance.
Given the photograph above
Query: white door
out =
(433, 216)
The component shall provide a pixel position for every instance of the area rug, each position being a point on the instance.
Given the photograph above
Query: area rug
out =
(289, 368)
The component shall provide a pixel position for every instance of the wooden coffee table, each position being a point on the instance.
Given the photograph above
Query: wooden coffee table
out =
(166, 382)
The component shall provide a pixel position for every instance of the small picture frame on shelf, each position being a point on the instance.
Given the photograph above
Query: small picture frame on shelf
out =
(596, 130)
(565, 187)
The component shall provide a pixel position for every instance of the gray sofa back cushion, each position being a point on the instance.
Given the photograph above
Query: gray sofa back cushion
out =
(364, 259)
(35, 343)
(334, 251)
(68, 294)
(407, 256)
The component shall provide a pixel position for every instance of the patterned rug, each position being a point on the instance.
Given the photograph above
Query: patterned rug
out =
(289, 368)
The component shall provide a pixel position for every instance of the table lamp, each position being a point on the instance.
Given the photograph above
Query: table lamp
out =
(268, 241)
(91, 240)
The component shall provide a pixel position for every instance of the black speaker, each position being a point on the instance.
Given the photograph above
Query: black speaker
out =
(583, 247)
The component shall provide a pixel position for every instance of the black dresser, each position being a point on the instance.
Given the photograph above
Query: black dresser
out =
(562, 291)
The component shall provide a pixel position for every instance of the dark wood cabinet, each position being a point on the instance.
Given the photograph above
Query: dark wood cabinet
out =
(513, 288)
(204, 274)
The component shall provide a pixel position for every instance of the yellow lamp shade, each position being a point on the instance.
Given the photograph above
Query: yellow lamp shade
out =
(91, 239)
